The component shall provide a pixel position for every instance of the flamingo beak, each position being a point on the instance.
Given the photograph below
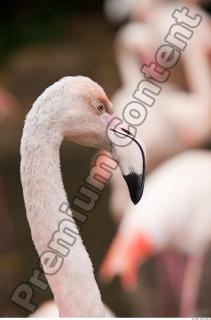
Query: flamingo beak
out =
(124, 257)
(131, 159)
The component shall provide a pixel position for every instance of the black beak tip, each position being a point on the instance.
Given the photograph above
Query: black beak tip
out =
(135, 183)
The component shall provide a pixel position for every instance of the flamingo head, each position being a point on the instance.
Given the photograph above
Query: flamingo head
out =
(77, 108)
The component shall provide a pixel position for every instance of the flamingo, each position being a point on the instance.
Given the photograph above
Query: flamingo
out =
(176, 113)
(175, 117)
(78, 109)
(174, 213)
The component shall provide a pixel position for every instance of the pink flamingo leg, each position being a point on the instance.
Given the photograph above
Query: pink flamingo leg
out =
(174, 266)
(191, 285)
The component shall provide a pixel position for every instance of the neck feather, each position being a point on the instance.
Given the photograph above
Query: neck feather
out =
(74, 287)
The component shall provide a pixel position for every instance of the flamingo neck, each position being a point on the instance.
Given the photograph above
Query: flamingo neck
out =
(74, 287)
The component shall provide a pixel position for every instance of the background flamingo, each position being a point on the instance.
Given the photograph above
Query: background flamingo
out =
(178, 217)
(175, 117)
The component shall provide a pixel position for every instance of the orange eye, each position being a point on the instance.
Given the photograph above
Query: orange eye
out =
(100, 108)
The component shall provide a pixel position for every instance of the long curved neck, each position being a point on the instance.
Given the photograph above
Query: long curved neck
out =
(128, 65)
(73, 284)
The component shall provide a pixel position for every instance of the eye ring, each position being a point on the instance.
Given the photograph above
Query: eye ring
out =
(100, 108)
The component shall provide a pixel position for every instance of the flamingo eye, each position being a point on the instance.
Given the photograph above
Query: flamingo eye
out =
(100, 108)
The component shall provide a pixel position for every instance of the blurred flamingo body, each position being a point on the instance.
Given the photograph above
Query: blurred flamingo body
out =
(173, 123)
(175, 116)
(174, 213)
